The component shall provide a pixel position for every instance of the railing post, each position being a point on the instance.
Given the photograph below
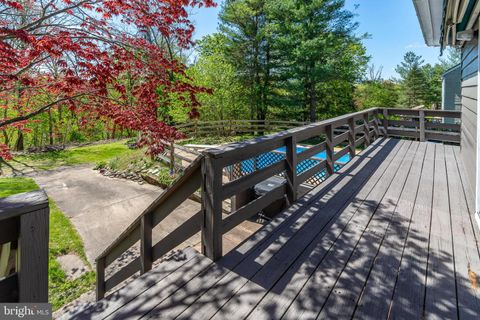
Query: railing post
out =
(330, 148)
(385, 123)
(146, 243)
(100, 291)
(172, 157)
(351, 137)
(366, 129)
(33, 213)
(212, 208)
(291, 156)
(375, 124)
(422, 125)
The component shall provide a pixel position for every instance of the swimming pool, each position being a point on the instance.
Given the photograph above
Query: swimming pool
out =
(321, 155)
(268, 158)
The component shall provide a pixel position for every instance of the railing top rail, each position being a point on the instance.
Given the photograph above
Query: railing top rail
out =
(439, 113)
(22, 203)
(195, 165)
(238, 122)
(276, 139)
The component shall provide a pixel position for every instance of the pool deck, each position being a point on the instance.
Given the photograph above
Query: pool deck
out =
(391, 235)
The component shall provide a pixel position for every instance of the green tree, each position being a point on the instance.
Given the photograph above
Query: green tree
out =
(321, 57)
(243, 23)
(379, 93)
(213, 70)
(412, 80)
(433, 78)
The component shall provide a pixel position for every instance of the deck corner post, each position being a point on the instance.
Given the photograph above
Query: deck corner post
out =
(33, 247)
(212, 229)
(422, 125)
(351, 137)
(100, 274)
(146, 253)
(385, 122)
(330, 148)
(291, 170)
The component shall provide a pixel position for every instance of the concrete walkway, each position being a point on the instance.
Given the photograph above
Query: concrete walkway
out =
(101, 208)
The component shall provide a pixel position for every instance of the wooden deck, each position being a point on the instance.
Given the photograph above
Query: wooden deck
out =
(391, 235)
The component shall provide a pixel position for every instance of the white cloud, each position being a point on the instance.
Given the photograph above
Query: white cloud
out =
(415, 45)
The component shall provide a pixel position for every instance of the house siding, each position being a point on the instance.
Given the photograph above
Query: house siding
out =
(469, 109)
(452, 90)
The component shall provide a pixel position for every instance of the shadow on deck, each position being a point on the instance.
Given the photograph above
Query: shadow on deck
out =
(390, 235)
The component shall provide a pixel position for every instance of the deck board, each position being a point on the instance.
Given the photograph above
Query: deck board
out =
(286, 289)
(313, 295)
(342, 299)
(467, 261)
(440, 300)
(408, 298)
(390, 235)
(374, 302)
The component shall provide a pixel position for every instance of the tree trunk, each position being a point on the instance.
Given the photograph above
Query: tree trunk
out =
(6, 138)
(50, 127)
(19, 144)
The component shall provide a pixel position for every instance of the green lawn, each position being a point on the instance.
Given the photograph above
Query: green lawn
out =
(74, 156)
(63, 239)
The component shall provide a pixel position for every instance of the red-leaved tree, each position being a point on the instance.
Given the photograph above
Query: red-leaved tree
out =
(104, 58)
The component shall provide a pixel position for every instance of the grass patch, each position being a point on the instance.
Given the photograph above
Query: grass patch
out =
(9, 186)
(64, 239)
(68, 157)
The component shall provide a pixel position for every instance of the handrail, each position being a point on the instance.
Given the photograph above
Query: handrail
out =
(245, 148)
(141, 230)
(333, 138)
(226, 127)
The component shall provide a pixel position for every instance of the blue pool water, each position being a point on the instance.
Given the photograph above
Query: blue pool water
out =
(322, 155)
(266, 159)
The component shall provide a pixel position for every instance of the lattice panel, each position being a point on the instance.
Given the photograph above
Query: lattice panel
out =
(318, 177)
(249, 166)
(264, 160)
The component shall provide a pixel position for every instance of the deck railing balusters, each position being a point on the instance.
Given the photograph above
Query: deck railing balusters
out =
(351, 137)
(146, 253)
(100, 278)
(421, 119)
(330, 148)
(212, 208)
(291, 156)
(366, 129)
(385, 123)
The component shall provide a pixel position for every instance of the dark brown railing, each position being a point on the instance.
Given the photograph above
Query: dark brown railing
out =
(141, 230)
(234, 127)
(334, 138)
(24, 220)
(423, 125)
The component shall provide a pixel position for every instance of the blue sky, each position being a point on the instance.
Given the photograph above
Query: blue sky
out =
(392, 25)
